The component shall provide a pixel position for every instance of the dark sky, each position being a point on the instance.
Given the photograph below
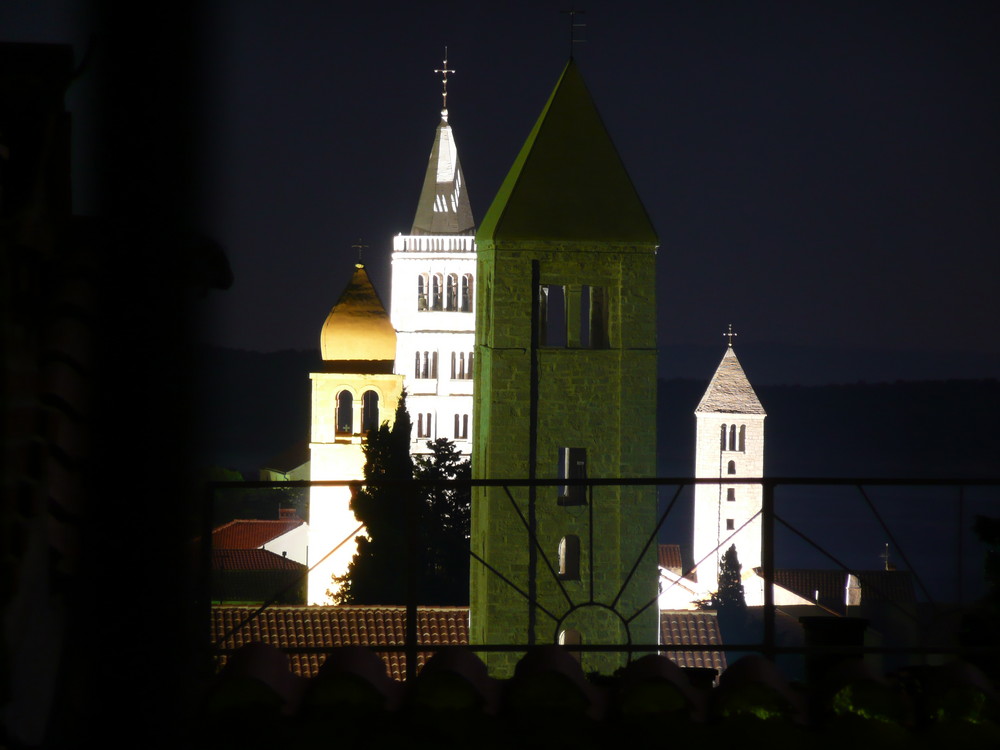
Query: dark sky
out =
(820, 174)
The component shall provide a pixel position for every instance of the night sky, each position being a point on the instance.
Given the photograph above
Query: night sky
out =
(820, 174)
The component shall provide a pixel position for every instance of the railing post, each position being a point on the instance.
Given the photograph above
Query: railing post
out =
(767, 561)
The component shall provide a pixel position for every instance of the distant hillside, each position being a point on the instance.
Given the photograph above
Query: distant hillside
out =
(921, 429)
(256, 405)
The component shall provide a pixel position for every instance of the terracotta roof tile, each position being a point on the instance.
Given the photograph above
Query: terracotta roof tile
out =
(684, 628)
(670, 557)
(252, 559)
(329, 626)
(251, 534)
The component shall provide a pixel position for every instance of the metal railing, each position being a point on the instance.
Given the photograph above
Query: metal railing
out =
(965, 508)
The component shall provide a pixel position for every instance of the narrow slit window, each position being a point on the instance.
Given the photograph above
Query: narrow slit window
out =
(572, 465)
(731, 468)
(569, 558)
(730, 524)
(731, 495)
(743, 437)
(451, 303)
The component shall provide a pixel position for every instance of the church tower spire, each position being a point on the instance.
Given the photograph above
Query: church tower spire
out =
(729, 444)
(434, 296)
(444, 206)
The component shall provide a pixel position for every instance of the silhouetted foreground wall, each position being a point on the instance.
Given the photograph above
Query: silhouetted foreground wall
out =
(257, 702)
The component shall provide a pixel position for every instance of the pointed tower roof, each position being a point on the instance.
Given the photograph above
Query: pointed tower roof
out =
(358, 327)
(444, 206)
(568, 182)
(730, 392)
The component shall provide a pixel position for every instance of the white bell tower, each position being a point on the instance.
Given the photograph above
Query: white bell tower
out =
(434, 298)
(729, 445)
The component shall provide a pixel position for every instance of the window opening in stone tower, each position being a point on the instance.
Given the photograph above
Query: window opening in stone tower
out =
(731, 495)
(551, 315)
(451, 303)
(369, 412)
(467, 293)
(572, 465)
(730, 524)
(422, 291)
(436, 291)
(743, 437)
(731, 468)
(569, 558)
(593, 317)
(345, 413)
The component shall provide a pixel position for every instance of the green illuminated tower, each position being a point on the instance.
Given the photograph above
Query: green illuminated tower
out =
(565, 387)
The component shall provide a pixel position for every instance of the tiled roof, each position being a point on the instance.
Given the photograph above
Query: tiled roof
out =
(670, 557)
(328, 626)
(252, 559)
(729, 391)
(687, 628)
(251, 534)
(876, 585)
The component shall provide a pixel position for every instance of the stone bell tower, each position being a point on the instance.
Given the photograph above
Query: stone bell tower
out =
(565, 389)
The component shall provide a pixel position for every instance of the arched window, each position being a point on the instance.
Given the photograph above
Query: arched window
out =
(571, 637)
(369, 412)
(732, 437)
(436, 292)
(722, 440)
(461, 365)
(461, 426)
(424, 425)
(451, 303)
(732, 468)
(569, 558)
(425, 365)
(345, 413)
(467, 293)
(434, 364)
(468, 367)
(454, 370)
(422, 291)
(416, 369)
(743, 437)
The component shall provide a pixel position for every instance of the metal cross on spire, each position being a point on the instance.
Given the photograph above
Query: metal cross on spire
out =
(359, 245)
(573, 26)
(444, 71)
(730, 335)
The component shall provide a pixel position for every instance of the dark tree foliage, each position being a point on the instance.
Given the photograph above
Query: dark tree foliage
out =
(445, 519)
(982, 622)
(730, 597)
(439, 519)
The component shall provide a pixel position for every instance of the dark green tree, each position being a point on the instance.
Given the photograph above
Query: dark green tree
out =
(375, 575)
(730, 597)
(444, 525)
(438, 519)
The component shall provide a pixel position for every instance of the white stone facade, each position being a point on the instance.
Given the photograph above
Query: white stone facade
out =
(729, 445)
(433, 312)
